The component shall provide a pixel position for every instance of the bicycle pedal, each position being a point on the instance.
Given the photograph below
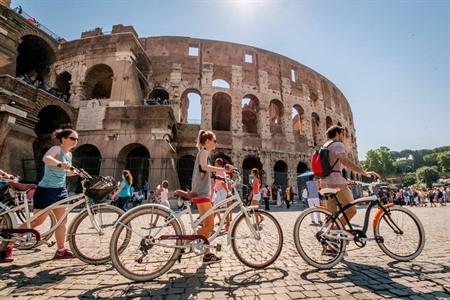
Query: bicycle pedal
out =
(50, 244)
(218, 247)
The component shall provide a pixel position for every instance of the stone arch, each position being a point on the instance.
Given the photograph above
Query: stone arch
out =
(280, 171)
(302, 167)
(339, 124)
(313, 97)
(328, 122)
(159, 94)
(191, 107)
(276, 112)
(220, 83)
(50, 118)
(297, 119)
(35, 56)
(88, 157)
(250, 113)
(315, 125)
(62, 84)
(98, 82)
(221, 112)
(135, 158)
(185, 167)
(248, 164)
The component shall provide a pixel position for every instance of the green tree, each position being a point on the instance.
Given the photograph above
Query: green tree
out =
(404, 166)
(409, 179)
(427, 175)
(443, 160)
(380, 160)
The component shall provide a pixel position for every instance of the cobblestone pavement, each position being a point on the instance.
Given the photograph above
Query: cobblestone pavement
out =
(366, 273)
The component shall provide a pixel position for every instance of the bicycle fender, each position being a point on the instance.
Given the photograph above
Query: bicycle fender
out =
(378, 213)
(12, 216)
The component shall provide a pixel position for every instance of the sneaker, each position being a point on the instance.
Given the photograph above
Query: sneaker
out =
(63, 254)
(8, 255)
(211, 258)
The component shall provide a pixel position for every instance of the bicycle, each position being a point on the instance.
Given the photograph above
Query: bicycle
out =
(16, 195)
(157, 246)
(96, 219)
(397, 231)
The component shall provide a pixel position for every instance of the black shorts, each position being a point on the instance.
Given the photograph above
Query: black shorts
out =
(44, 197)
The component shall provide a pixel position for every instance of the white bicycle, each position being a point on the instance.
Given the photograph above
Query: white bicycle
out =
(159, 237)
(88, 234)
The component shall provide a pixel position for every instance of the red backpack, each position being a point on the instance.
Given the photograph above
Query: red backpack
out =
(320, 162)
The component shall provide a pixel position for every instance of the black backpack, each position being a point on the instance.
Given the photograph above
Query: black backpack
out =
(320, 162)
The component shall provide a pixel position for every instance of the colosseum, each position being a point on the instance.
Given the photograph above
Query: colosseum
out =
(139, 102)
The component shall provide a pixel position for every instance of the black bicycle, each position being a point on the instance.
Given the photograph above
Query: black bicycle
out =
(321, 238)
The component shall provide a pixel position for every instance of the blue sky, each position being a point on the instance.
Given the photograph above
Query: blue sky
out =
(391, 59)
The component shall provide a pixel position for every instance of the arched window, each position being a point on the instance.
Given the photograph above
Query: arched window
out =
(221, 112)
(191, 107)
(297, 119)
(248, 164)
(250, 114)
(88, 158)
(98, 82)
(160, 95)
(63, 84)
(329, 122)
(220, 83)
(136, 159)
(276, 112)
(34, 59)
(185, 168)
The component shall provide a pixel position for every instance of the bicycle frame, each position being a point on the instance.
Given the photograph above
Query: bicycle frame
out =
(195, 223)
(78, 198)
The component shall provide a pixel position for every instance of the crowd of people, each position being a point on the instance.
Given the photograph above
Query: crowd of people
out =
(156, 101)
(416, 197)
(33, 79)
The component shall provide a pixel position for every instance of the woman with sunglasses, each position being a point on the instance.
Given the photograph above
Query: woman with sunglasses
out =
(52, 188)
(202, 188)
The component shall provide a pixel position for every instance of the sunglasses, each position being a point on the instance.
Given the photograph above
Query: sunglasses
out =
(73, 138)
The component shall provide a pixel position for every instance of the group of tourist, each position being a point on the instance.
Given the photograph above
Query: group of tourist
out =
(156, 101)
(416, 197)
(33, 79)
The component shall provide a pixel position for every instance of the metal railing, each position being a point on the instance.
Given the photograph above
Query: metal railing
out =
(33, 21)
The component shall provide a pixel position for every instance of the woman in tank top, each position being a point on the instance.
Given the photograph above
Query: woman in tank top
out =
(52, 188)
(201, 185)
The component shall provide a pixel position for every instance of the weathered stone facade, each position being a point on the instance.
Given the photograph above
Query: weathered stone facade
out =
(106, 78)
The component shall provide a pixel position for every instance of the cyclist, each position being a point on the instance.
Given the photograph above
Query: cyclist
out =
(52, 188)
(201, 185)
(338, 158)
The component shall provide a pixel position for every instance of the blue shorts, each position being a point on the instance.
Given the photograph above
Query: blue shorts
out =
(44, 197)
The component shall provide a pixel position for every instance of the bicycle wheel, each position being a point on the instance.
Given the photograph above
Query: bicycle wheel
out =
(257, 252)
(317, 243)
(86, 243)
(146, 257)
(31, 242)
(5, 223)
(402, 234)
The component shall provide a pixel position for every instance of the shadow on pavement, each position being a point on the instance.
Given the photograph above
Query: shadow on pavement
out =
(375, 279)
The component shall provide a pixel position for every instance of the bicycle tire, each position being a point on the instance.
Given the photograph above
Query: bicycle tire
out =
(298, 243)
(5, 223)
(382, 243)
(124, 223)
(241, 220)
(75, 225)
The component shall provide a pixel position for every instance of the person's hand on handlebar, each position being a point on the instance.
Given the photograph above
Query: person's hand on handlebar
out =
(64, 165)
(228, 168)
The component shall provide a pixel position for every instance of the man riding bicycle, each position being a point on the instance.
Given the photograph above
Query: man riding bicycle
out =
(338, 159)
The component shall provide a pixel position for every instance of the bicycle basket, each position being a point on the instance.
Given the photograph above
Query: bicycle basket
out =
(99, 187)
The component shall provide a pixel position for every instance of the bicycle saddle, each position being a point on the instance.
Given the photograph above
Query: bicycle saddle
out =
(22, 187)
(186, 196)
(325, 191)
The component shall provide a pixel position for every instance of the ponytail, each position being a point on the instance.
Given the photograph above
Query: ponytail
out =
(203, 136)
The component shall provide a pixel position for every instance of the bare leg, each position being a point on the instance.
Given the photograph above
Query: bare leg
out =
(208, 223)
(60, 232)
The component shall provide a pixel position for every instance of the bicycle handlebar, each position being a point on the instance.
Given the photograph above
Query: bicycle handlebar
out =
(80, 172)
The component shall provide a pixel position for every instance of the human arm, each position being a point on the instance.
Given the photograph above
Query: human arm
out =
(203, 162)
(342, 156)
(122, 185)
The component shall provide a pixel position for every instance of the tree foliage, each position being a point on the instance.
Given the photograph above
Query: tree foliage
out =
(409, 179)
(427, 175)
(380, 160)
(443, 161)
